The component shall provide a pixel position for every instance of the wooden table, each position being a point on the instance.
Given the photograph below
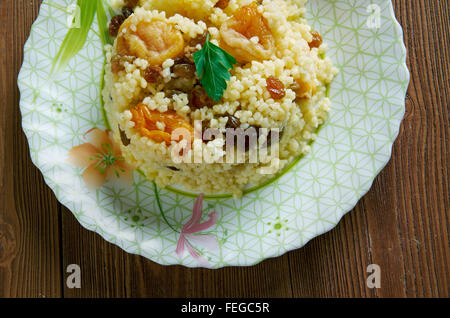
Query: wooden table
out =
(402, 224)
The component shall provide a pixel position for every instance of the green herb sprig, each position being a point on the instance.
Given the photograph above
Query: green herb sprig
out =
(213, 67)
(76, 36)
(102, 20)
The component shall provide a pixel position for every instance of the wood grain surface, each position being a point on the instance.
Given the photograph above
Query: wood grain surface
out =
(402, 224)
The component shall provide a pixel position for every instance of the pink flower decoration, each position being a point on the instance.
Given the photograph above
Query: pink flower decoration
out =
(101, 159)
(194, 226)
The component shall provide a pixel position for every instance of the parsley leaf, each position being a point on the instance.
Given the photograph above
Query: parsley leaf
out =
(213, 67)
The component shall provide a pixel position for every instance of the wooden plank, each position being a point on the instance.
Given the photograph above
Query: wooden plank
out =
(107, 271)
(421, 156)
(402, 223)
(334, 264)
(29, 222)
(270, 278)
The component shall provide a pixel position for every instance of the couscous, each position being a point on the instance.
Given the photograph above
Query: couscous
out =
(182, 73)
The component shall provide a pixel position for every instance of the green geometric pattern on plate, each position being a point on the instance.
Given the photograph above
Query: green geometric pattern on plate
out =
(352, 147)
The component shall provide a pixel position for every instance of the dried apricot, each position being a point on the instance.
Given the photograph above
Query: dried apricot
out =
(247, 35)
(146, 123)
(155, 41)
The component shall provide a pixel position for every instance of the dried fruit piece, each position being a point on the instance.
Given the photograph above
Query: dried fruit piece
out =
(200, 39)
(275, 88)
(131, 3)
(155, 41)
(157, 136)
(115, 25)
(152, 74)
(222, 4)
(116, 64)
(127, 11)
(316, 41)
(124, 138)
(304, 89)
(247, 35)
(180, 84)
(146, 123)
(233, 122)
(198, 98)
(184, 70)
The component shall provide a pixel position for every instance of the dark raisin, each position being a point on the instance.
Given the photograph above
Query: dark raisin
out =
(131, 3)
(173, 168)
(316, 41)
(127, 11)
(233, 122)
(152, 74)
(200, 39)
(222, 4)
(198, 98)
(184, 70)
(123, 136)
(115, 24)
(275, 88)
(183, 60)
(181, 84)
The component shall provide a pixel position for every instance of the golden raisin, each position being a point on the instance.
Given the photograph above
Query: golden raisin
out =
(304, 89)
(316, 41)
(275, 88)
(222, 4)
